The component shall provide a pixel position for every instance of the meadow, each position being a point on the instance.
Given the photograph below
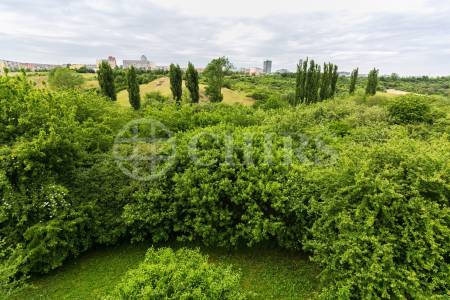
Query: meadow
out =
(345, 198)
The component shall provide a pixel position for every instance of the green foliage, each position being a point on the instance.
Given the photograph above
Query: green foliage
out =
(143, 77)
(269, 273)
(154, 98)
(312, 85)
(133, 89)
(64, 78)
(214, 75)
(353, 80)
(233, 198)
(12, 280)
(367, 197)
(106, 80)
(372, 82)
(300, 87)
(382, 226)
(192, 83)
(410, 109)
(420, 85)
(181, 274)
(334, 79)
(48, 140)
(176, 82)
(325, 85)
(259, 95)
(84, 70)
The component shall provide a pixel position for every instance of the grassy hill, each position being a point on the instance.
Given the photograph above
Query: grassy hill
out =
(162, 85)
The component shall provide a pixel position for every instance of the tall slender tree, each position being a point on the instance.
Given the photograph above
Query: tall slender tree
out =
(353, 80)
(372, 82)
(334, 80)
(192, 83)
(312, 83)
(105, 77)
(134, 95)
(300, 88)
(325, 84)
(176, 82)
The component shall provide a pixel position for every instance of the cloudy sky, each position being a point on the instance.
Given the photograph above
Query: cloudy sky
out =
(410, 37)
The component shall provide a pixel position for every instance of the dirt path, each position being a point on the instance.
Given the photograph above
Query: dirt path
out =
(396, 92)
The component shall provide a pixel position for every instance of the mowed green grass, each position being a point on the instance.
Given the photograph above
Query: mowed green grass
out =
(162, 85)
(270, 273)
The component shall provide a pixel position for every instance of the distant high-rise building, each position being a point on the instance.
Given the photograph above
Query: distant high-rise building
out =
(111, 60)
(142, 64)
(267, 67)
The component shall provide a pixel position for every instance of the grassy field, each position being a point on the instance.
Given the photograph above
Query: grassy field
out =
(162, 85)
(41, 79)
(271, 273)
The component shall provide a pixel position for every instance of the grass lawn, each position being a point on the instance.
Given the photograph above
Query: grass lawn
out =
(271, 273)
(162, 85)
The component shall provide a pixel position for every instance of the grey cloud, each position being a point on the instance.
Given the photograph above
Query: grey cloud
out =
(82, 31)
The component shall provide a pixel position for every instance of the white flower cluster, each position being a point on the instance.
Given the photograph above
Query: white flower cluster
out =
(54, 199)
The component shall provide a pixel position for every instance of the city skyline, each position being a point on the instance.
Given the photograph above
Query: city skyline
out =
(406, 37)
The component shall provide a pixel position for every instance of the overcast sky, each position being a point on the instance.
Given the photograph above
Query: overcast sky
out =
(410, 37)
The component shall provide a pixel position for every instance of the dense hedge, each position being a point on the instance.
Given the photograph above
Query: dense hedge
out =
(54, 163)
(365, 190)
(181, 274)
(383, 221)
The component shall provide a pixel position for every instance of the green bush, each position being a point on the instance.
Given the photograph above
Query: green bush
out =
(51, 152)
(181, 274)
(382, 221)
(259, 95)
(64, 78)
(410, 109)
(217, 197)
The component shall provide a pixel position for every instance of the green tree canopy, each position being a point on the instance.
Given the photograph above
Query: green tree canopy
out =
(64, 78)
(214, 74)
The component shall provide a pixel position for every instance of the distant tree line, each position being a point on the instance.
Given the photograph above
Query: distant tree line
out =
(314, 84)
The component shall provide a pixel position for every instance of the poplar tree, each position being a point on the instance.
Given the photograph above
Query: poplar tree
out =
(325, 84)
(105, 77)
(334, 80)
(300, 89)
(353, 80)
(312, 83)
(133, 89)
(372, 82)
(192, 83)
(176, 81)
